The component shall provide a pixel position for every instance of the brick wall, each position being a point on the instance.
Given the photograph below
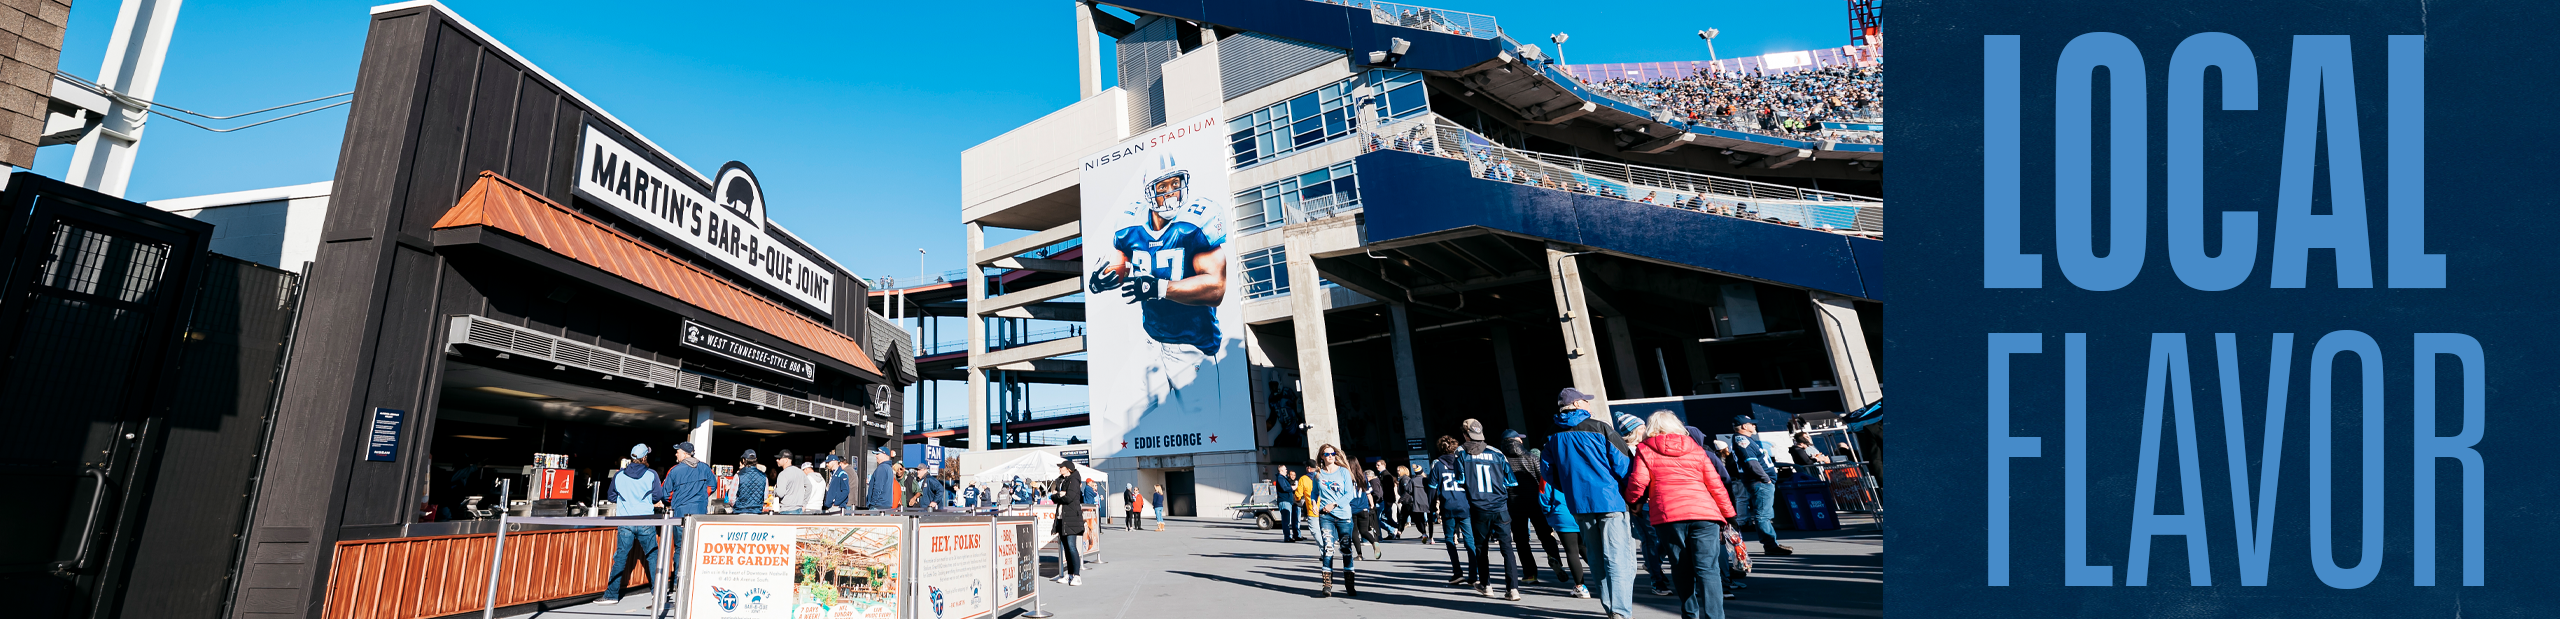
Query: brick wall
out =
(30, 47)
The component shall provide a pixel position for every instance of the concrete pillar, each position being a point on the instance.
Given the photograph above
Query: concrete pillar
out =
(1408, 385)
(1507, 376)
(701, 434)
(1315, 355)
(1622, 345)
(978, 333)
(1088, 52)
(1573, 313)
(1846, 340)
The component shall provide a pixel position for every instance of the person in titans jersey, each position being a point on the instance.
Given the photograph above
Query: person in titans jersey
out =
(1172, 263)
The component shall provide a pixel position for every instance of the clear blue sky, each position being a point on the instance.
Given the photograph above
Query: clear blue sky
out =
(852, 113)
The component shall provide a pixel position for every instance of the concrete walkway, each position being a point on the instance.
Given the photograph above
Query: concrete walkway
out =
(1214, 567)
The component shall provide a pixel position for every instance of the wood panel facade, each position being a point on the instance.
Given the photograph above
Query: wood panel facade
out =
(437, 103)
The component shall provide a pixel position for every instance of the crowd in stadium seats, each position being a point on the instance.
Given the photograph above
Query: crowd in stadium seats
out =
(1497, 165)
(1788, 104)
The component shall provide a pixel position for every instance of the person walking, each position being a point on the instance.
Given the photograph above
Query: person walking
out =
(1587, 461)
(1452, 497)
(1334, 490)
(749, 496)
(1414, 490)
(1486, 476)
(1285, 496)
(1759, 473)
(1558, 517)
(1524, 502)
(1364, 513)
(1071, 524)
(1157, 503)
(634, 492)
(790, 488)
(1673, 475)
(1382, 494)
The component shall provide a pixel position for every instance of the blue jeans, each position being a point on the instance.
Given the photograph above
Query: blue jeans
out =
(1696, 567)
(1071, 555)
(1615, 566)
(1335, 534)
(1649, 548)
(1288, 522)
(624, 540)
(1763, 514)
(1493, 525)
(1453, 529)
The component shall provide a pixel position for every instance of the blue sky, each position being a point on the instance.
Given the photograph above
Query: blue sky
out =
(852, 113)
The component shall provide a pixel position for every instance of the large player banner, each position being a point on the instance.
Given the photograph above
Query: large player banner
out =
(1165, 345)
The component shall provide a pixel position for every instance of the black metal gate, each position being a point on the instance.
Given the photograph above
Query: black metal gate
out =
(94, 296)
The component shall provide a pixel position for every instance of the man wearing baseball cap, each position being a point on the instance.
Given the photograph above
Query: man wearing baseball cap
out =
(1757, 471)
(1586, 461)
(634, 492)
(876, 493)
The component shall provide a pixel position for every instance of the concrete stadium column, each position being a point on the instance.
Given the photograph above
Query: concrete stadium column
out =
(1088, 53)
(977, 340)
(1846, 340)
(1623, 346)
(701, 435)
(1315, 354)
(1508, 376)
(1573, 313)
(1408, 385)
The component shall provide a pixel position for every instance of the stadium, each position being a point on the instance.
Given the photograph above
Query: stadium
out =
(1427, 219)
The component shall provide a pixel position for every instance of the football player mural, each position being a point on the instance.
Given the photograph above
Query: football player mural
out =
(1156, 296)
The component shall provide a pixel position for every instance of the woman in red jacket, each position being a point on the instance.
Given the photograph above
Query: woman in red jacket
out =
(1690, 510)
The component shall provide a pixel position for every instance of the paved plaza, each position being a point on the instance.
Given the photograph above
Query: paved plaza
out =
(1212, 567)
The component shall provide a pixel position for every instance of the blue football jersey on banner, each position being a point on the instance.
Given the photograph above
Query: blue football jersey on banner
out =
(1166, 256)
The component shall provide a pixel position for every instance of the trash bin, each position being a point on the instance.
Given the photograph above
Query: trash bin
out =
(1806, 505)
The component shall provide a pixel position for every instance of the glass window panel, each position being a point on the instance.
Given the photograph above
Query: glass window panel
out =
(1303, 106)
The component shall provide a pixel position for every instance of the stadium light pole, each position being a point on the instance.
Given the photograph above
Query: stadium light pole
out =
(1709, 35)
(1559, 39)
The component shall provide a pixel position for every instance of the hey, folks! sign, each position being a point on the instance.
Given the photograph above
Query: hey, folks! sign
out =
(728, 226)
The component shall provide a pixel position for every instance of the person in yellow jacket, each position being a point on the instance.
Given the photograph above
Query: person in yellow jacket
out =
(1306, 495)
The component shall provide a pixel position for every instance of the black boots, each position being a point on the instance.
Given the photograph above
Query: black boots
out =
(1328, 583)
(1351, 584)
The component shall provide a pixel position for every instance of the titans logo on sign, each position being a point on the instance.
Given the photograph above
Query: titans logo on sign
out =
(728, 599)
(935, 594)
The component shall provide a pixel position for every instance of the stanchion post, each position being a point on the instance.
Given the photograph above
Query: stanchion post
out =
(497, 557)
(661, 590)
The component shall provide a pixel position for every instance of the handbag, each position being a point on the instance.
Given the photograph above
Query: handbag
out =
(1737, 557)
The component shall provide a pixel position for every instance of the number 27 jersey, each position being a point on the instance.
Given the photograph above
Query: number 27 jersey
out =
(1167, 256)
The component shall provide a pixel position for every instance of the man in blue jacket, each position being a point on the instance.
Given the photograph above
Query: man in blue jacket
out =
(839, 485)
(688, 493)
(634, 492)
(1590, 461)
(876, 493)
(1760, 472)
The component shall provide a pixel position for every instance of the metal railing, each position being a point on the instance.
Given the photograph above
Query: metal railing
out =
(889, 282)
(1426, 18)
(1732, 197)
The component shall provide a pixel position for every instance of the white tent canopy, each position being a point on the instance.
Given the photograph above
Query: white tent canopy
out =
(1038, 466)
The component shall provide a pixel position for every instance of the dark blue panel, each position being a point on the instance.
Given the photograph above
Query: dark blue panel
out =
(1870, 255)
(1406, 195)
(1329, 25)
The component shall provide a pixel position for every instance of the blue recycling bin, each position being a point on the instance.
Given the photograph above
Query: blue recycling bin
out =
(1805, 505)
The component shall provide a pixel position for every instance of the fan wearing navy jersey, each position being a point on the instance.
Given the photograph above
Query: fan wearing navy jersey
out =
(1443, 478)
(1486, 475)
(1172, 263)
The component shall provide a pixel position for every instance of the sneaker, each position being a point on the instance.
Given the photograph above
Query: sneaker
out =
(1661, 588)
(1581, 592)
(1513, 594)
(608, 602)
(1728, 595)
(1075, 581)
(1532, 579)
(1456, 580)
(1484, 591)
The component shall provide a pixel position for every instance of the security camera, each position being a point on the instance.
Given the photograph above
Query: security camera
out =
(1377, 57)
(1399, 45)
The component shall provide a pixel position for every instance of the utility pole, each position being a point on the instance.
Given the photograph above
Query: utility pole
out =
(131, 75)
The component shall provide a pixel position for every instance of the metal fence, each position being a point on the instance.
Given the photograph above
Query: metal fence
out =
(1732, 197)
(1426, 18)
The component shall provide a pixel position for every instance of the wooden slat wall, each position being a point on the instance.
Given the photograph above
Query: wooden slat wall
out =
(422, 577)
